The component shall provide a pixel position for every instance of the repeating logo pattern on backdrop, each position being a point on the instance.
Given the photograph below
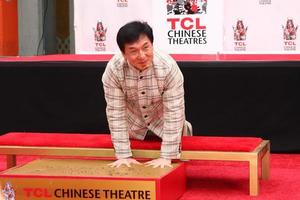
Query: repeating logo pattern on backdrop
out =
(186, 30)
(240, 35)
(100, 36)
(289, 35)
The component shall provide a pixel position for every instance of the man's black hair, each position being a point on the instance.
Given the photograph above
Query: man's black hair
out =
(131, 32)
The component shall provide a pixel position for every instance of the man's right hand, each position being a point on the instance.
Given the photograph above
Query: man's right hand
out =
(124, 161)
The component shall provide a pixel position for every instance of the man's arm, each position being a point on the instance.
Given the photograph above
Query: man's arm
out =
(174, 114)
(174, 117)
(116, 113)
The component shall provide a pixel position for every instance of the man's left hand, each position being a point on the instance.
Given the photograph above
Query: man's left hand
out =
(159, 162)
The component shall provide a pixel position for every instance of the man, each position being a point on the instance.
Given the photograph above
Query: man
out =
(145, 96)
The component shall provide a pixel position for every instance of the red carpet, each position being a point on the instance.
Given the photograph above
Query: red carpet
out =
(216, 180)
(229, 180)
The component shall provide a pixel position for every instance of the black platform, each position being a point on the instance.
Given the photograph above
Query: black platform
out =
(222, 98)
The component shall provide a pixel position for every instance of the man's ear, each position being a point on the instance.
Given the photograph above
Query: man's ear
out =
(123, 53)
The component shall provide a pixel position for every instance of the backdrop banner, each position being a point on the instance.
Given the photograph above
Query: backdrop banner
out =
(97, 22)
(261, 26)
(192, 26)
(188, 27)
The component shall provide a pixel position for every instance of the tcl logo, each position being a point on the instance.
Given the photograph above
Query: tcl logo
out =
(289, 43)
(185, 23)
(241, 44)
(37, 192)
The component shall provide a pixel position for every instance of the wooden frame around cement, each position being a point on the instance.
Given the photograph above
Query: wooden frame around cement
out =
(257, 159)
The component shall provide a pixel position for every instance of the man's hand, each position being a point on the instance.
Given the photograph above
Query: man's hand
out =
(159, 162)
(124, 161)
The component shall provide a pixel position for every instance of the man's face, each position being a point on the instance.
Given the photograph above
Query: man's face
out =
(139, 53)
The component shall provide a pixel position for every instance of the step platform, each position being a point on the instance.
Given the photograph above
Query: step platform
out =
(57, 179)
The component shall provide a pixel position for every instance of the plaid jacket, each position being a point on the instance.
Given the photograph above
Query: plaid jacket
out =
(138, 101)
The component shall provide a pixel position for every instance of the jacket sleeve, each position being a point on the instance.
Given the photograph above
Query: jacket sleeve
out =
(116, 112)
(174, 114)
